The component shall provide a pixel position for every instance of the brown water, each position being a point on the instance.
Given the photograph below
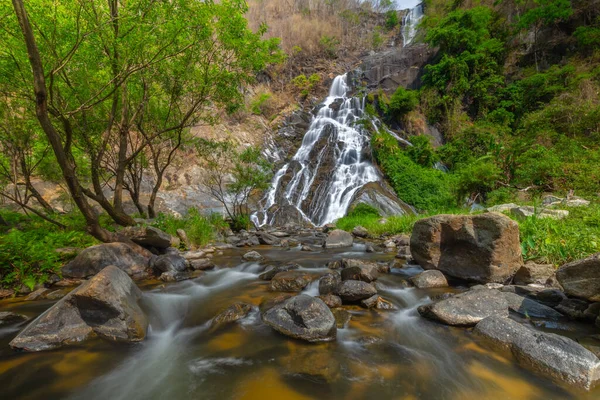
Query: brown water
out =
(412, 358)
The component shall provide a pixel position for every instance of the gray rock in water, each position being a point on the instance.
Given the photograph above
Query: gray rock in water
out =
(252, 256)
(530, 308)
(338, 239)
(290, 281)
(378, 303)
(550, 355)
(358, 270)
(233, 313)
(429, 279)
(467, 309)
(201, 264)
(581, 278)
(329, 283)
(353, 291)
(331, 300)
(268, 239)
(169, 263)
(360, 231)
(175, 276)
(93, 259)
(106, 305)
(573, 308)
(533, 273)
(302, 317)
(147, 236)
(271, 271)
(549, 297)
(8, 317)
(482, 248)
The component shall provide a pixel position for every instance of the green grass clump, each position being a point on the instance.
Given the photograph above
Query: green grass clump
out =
(369, 218)
(200, 229)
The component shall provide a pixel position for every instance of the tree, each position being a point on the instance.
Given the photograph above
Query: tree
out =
(105, 71)
(232, 175)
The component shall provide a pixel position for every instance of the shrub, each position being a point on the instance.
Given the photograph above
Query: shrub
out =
(422, 151)
(329, 44)
(402, 102)
(391, 19)
(200, 229)
(260, 104)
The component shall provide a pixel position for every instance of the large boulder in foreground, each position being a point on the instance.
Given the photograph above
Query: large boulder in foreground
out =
(482, 248)
(553, 356)
(94, 259)
(581, 278)
(107, 306)
(337, 239)
(467, 309)
(147, 236)
(302, 317)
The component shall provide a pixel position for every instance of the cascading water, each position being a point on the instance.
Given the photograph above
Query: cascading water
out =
(330, 166)
(410, 22)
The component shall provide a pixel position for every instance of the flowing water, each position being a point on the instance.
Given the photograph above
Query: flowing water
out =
(384, 355)
(410, 23)
(330, 165)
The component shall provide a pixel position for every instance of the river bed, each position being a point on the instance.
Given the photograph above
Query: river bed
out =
(379, 354)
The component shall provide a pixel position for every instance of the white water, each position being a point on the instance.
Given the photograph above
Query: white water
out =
(344, 144)
(410, 22)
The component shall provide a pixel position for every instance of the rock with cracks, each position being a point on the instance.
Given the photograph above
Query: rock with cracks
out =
(581, 278)
(338, 238)
(550, 355)
(302, 317)
(353, 291)
(107, 306)
(94, 259)
(148, 236)
(429, 279)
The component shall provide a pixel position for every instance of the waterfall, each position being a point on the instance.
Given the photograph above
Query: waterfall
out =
(332, 163)
(410, 22)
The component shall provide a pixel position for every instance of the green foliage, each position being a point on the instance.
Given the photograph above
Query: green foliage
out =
(588, 37)
(421, 151)
(259, 103)
(546, 12)
(403, 101)
(391, 19)
(200, 229)
(306, 85)
(377, 39)
(477, 179)
(364, 210)
(329, 44)
(425, 188)
(373, 223)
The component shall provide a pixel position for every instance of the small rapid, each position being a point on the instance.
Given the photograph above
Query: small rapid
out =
(410, 23)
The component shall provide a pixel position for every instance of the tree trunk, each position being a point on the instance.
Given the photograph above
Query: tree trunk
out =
(37, 195)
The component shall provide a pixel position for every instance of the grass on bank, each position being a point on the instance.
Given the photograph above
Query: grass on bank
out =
(542, 239)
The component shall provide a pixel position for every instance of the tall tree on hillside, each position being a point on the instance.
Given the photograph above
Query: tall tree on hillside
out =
(102, 70)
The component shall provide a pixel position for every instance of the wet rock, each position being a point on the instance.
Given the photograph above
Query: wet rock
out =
(69, 282)
(378, 303)
(194, 255)
(231, 314)
(550, 355)
(521, 290)
(337, 264)
(383, 268)
(175, 276)
(360, 273)
(272, 270)
(329, 283)
(268, 239)
(360, 231)
(331, 300)
(467, 309)
(267, 304)
(342, 317)
(5, 293)
(549, 297)
(106, 305)
(183, 237)
(38, 294)
(252, 256)
(302, 317)
(169, 263)
(403, 252)
(581, 278)
(369, 340)
(201, 264)
(533, 273)
(337, 239)
(353, 291)
(313, 364)
(573, 308)
(481, 248)
(93, 259)
(369, 248)
(592, 312)
(8, 317)
(147, 236)
(290, 281)
(280, 234)
(306, 248)
(57, 294)
(429, 279)
(530, 308)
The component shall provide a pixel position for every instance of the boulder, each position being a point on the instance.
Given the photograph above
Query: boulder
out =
(467, 309)
(378, 303)
(331, 300)
(201, 264)
(353, 291)
(94, 259)
(337, 264)
(252, 256)
(359, 270)
(306, 248)
(147, 236)
(530, 308)
(175, 276)
(533, 273)
(268, 239)
(329, 283)
(381, 197)
(272, 270)
(481, 248)
(302, 317)
(234, 312)
(106, 306)
(581, 278)
(429, 279)
(550, 355)
(573, 308)
(9, 317)
(360, 231)
(549, 297)
(337, 239)
(169, 263)
(290, 281)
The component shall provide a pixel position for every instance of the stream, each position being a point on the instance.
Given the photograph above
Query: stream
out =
(379, 354)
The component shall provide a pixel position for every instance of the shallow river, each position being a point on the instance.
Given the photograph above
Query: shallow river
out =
(379, 355)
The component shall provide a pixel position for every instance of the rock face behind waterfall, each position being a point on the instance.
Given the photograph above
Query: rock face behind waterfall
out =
(481, 248)
(326, 174)
(106, 306)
